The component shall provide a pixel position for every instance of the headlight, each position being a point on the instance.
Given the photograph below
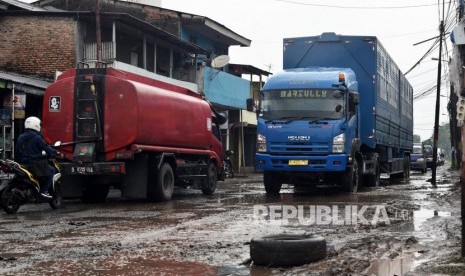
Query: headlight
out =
(420, 160)
(338, 143)
(261, 143)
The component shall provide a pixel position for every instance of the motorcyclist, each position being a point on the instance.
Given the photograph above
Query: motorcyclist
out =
(30, 147)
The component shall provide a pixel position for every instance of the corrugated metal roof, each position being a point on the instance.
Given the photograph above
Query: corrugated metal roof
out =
(25, 83)
(22, 5)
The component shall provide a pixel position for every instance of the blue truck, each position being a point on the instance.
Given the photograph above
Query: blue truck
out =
(340, 113)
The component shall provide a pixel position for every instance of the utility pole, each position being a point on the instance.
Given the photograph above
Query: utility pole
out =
(98, 33)
(436, 115)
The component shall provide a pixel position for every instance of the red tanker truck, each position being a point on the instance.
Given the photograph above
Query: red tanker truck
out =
(140, 135)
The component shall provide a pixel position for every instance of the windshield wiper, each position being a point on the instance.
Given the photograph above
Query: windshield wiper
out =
(280, 120)
(319, 119)
(300, 118)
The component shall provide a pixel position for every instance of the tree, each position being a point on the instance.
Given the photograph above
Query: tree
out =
(416, 138)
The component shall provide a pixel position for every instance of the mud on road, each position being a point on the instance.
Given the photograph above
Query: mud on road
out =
(406, 228)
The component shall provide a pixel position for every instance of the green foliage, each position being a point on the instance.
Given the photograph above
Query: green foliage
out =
(443, 139)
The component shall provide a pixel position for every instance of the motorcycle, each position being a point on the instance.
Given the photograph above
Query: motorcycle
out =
(22, 187)
(227, 165)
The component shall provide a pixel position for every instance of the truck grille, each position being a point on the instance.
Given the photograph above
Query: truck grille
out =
(300, 148)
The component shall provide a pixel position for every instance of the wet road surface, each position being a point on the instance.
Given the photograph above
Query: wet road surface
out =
(405, 226)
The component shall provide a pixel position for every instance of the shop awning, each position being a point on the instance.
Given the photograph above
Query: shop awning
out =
(23, 83)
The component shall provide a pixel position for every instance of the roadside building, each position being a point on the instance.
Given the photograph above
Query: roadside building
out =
(42, 40)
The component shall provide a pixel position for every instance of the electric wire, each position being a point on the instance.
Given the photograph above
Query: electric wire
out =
(355, 7)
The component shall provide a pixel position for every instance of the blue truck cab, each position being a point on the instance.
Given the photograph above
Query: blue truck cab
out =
(339, 113)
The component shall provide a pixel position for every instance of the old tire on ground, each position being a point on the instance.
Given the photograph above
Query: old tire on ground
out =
(7, 200)
(165, 183)
(272, 183)
(287, 250)
(209, 186)
(351, 178)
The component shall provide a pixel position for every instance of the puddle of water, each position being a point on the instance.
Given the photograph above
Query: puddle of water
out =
(422, 215)
(398, 266)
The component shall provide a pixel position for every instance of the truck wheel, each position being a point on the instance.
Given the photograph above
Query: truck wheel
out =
(209, 186)
(165, 184)
(287, 250)
(351, 178)
(272, 183)
(95, 193)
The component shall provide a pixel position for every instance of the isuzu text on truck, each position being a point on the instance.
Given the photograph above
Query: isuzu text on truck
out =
(340, 113)
(135, 133)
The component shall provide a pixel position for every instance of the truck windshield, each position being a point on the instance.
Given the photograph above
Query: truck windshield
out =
(301, 103)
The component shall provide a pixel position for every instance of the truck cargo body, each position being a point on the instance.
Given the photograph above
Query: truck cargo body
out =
(122, 129)
(375, 124)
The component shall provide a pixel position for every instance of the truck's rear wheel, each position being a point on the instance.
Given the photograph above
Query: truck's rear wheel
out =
(351, 178)
(209, 185)
(95, 193)
(165, 183)
(272, 183)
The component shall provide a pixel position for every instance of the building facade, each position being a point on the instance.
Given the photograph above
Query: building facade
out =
(43, 40)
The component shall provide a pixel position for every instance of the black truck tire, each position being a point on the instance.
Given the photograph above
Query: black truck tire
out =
(165, 183)
(272, 183)
(287, 250)
(351, 178)
(209, 186)
(95, 193)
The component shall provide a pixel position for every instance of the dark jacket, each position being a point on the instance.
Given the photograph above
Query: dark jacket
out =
(30, 146)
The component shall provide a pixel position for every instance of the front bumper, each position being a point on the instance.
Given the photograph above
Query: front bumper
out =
(324, 163)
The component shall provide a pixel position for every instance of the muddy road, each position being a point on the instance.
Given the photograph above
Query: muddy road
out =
(403, 227)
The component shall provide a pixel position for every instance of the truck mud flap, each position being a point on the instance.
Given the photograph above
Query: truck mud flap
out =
(93, 168)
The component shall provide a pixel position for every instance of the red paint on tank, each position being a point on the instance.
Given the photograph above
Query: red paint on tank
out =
(137, 110)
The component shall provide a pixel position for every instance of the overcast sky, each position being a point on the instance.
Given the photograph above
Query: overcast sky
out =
(398, 24)
(267, 22)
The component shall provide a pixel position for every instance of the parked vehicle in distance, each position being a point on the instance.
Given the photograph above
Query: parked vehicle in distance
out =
(418, 158)
(429, 155)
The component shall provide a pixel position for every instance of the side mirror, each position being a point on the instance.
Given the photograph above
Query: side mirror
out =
(250, 104)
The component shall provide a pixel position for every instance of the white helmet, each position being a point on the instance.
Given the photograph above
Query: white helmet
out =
(32, 123)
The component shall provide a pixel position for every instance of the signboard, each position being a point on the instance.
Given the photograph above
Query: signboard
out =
(19, 102)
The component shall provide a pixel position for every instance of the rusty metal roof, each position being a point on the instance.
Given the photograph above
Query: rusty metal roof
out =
(24, 83)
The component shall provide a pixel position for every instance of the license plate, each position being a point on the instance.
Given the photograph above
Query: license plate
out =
(82, 170)
(298, 162)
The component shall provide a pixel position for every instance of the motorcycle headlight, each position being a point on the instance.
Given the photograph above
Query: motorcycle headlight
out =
(338, 143)
(261, 143)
